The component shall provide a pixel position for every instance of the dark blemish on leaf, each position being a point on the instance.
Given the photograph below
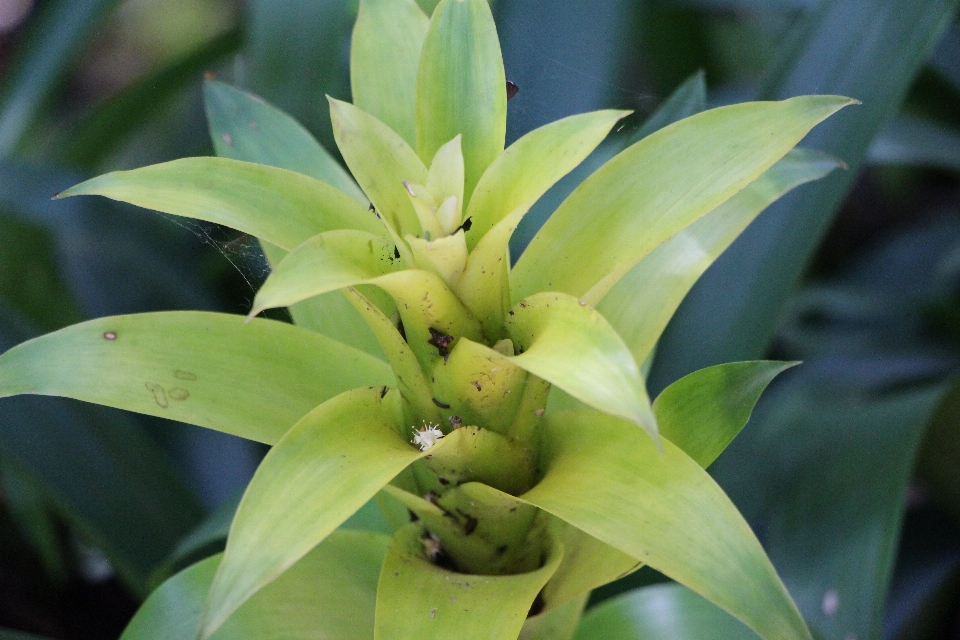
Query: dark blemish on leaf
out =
(110, 335)
(512, 89)
(396, 253)
(178, 393)
(180, 374)
(433, 612)
(469, 522)
(538, 606)
(443, 481)
(441, 341)
(383, 392)
(501, 550)
(511, 313)
(512, 509)
(440, 404)
(477, 385)
(159, 395)
(228, 139)
(455, 421)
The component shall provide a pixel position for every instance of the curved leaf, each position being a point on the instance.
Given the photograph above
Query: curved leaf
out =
(329, 593)
(244, 127)
(279, 206)
(327, 262)
(703, 412)
(641, 304)
(384, 57)
(533, 164)
(608, 480)
(657, 187)
(661, 612)
(324, 469)
(461, 87)
(209, 369)
(380, 160)
(556, 624)
(417, 600)
(576, 349)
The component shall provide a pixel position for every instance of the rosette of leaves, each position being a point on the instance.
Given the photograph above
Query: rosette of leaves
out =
(496, 413)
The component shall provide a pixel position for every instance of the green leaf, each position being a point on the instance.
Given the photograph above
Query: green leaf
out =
(686, 100)
(461, 87)
(533, 164)
(417, 600)
(703, 412)
(324, 469)
(327, 262)
(254, 380)
(279, 206)
(329, 593)
(556, 624)
(641, 304)
(384, 57)
(380, 160)
(743, 294)
(575, 348)
(821, 488)
(28, 507)
(660, 612)
(244, 127)
(656, 188)
(609, 480)
(296, 52)
(917, 142)
(9, 634)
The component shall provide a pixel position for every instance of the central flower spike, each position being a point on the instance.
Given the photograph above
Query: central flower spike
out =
(439, 205)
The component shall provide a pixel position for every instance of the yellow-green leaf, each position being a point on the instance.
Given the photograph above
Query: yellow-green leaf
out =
(641, 304)
(384, 57)
(381, 161)
(655, 188)
(576, 349)
(533, 164)
(324, 469)
(461, 87)
(276, 205)
(330, 593)
(209, 369)
(606, 478)
(417, 600)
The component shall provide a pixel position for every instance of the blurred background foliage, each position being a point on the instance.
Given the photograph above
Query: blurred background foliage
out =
(849, 470)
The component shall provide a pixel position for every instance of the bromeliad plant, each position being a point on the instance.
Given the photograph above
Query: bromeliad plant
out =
(497, 414)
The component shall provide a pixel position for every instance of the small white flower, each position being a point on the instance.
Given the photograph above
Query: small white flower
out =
(427, 436)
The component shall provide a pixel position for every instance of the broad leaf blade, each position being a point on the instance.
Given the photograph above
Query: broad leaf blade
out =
(279, 206)
(461, 87)
(533, 164)
(254, 380)
(384, 58)
(324, 469)
(556, 624)
(380, 160)
(704, 411)
(329, 593)
(417, 600)
(657, 187)
(327, 262)
(574, 348)
(609, 480)
(641, 304)
(244, 127)
(660, 612)
(741, 297)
